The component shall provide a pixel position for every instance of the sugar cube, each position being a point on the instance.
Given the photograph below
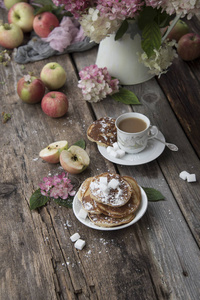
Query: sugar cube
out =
(82, 214)
(113, 184)
(109, 149)
(115, 146)
(191, 178)
(120, 153)
(103, 180)
(75, 237)
(183, 175)
(79, 244)
(113, 153)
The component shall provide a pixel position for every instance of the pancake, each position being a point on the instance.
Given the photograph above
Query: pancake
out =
(116, 192)
(107, 221)
(88, 203)
(103, 132)
(84, 186)
(134, 185)
(130, 207)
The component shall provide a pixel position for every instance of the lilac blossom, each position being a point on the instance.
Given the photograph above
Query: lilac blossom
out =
(58, 186)
(96, 83)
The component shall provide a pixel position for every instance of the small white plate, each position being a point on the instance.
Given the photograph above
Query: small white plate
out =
(140, 212)
(152, 151)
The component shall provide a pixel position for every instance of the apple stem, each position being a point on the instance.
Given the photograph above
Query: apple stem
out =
(7, 26)
(171, 27)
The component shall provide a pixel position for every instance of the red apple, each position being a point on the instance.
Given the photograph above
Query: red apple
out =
(53, 75)
(44, 23)
(9, 3)
(30, 89)
(22, 14)
(189, 46)
(11, 36)
(55, 104)
(180, 29)
(74, 160)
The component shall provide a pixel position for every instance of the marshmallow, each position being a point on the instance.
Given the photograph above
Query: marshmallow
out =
(82, 214)
(113, 184)
(115, 146)
(191, 178)
(120, 153)
(75, 237)
(79, 244)
(183, 175)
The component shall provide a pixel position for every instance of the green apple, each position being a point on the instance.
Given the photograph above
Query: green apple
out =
(51, 153)
(53, 75)
(22, 14)
(9, 3)
(74, 160)
(11, 36)
(180, 29)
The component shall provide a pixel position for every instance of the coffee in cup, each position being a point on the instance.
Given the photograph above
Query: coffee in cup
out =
(133, 132)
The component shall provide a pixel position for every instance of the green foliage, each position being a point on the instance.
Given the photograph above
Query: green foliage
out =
(123, 28)
(153, 195)
(47, 5)
(64, 202)
(38, 200)
(81, 143)
(126, 97)
(151, 38)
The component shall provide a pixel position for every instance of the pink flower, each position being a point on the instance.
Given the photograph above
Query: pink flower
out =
(96, 83)
(58, 186)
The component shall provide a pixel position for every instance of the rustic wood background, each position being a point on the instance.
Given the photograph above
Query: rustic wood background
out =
(156, 258)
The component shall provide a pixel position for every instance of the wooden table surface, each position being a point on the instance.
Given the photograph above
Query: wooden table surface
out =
(157, 257)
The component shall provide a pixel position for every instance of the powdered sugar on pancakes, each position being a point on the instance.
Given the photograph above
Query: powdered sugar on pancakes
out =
(110, 189)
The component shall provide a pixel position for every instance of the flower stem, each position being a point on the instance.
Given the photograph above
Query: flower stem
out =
(171, 27)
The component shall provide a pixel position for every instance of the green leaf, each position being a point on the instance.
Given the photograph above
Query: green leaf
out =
(151, 38)
(80, 143)
(146, 16)
(122, 29)
(153, 195)
(126, 97)
(38, 200)
(64, 202)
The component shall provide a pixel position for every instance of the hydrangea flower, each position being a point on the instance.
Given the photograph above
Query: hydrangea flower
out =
(98, 27)
(58, 186)
(96, 83)
(159, 62)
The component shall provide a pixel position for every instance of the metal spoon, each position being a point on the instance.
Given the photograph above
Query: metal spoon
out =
(172, 147)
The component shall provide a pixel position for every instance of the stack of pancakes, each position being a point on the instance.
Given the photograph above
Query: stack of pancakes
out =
(110, 199)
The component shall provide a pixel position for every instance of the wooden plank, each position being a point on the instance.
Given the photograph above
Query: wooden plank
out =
(154, 174)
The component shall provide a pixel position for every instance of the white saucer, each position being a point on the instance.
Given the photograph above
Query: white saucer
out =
(152, 151)
(140, 212)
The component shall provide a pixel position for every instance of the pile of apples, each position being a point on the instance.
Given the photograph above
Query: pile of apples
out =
(21, 19)
(32, 90)
(188, 47)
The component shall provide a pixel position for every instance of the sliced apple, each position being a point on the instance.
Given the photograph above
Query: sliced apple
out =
(51, 153)
(74, 160)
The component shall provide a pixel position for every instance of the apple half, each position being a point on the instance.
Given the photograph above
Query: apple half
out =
(51, 153)
(74, 160)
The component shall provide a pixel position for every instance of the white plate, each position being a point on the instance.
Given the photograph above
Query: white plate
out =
(140, 212)
(152, 151)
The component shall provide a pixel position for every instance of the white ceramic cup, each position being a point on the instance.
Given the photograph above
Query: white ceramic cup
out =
(135, 142)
